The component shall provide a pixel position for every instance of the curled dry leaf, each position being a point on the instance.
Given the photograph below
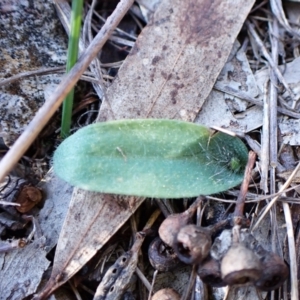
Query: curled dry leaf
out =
(29, 197)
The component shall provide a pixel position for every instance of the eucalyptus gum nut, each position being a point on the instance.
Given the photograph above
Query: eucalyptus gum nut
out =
(161, 256)
(210, 272)
(193, 244)
(274, 272)
(151, 158)
(170, 226)
(274, 269)
(240, 266)
(166, 294)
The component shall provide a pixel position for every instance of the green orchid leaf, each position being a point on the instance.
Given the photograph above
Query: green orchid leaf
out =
(151, 158)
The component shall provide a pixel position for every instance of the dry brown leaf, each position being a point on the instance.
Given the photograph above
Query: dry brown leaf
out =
(168, 74)
(21, 270)
(57, 195)
(236, 76)
(176, 60)
(289, 127)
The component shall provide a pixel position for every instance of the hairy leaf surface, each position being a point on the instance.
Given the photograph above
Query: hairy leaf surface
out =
(152, 158)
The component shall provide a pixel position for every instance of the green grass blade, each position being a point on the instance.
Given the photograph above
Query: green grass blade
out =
(73, 47)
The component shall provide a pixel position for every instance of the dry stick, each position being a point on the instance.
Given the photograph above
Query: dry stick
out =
(273, 27)
(152, 284)
(255, 101)
(74, 290)
(273, 98)
(240, 202)
(9, 203)
(292, 252)
(277, 10)
(273, 130)
(143, 278)
(148, 225)
(165, 206)
(253, 144)
(291, 200)
(282, 189)
(193, 277)
(86, 77)
(48, 109)
(270, 60)
(32, 73)
(264, 158)
(200, 290)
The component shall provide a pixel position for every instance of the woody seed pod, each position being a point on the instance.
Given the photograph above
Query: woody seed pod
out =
(161, 256)
(210, 273)
(240, 266)
(274, 271)
(173, 223)
(166, 294)
(193, 244)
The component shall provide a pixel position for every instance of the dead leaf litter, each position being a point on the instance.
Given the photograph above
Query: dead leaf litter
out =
(231, 65)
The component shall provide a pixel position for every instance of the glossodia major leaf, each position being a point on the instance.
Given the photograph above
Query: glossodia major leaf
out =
(152, 158)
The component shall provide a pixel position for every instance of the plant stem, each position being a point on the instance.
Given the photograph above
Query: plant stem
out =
(240, 202)
(72, 58)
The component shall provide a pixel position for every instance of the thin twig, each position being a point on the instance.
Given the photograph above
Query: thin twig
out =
(264, 158)
(292, 252)
(152, 284)
(273, 97)
(75, 290)
(291, 200)
(270, 60)
(282, 189)
(87, 76)
(9, 203)
(143, 278)
(15, 244)
(277, 10)
(240, 202)
(68, 82)
(32, 73)
(165, 206)
(273, 143)
(252, 100)
(190, 285)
